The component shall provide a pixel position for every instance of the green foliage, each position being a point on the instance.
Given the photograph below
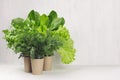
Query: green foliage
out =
(56, 23)
(16, 37)
(40, 35)
(44, 20)
(9, 36)
(52, 43)
(66, 50)
(17, 23)
(52, 16)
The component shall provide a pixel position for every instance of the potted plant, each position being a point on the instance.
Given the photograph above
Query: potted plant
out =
(51, 43)
(16, 40)
(38, 37)
(37, 57)
(58, 40)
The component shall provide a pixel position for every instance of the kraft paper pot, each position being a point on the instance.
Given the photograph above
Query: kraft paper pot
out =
(27, 64)
(47, 63)
(37, 66)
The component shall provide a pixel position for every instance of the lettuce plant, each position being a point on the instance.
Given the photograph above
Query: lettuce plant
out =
(66, 51)
(13, 37)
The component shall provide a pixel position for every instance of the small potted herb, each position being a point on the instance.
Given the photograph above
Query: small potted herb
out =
(51, 43)
(17, 41)
(37, 34)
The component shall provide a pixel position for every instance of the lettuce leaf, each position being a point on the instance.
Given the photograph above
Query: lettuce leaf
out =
(66, 51)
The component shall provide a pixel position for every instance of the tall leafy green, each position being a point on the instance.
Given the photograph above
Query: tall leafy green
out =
(52, 15)
(34, 18)
(56, 23)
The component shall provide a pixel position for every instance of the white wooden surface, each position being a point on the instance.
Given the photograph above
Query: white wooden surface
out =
(16, 72)
(94, 26)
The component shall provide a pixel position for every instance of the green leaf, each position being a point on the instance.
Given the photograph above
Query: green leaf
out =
(44, 20)
(34, 18)
(17, 23)
(27, 23)
(52, 16)
(6, 31)
(56, 23)
(66, 51)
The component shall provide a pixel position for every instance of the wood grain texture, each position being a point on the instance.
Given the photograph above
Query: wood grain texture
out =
(94, 26)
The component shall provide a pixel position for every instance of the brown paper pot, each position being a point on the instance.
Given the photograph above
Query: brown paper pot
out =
(37, 66)
(27, 64)
(47, 63)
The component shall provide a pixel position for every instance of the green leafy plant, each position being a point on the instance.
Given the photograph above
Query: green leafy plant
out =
(64, 44)
(41, 35)
(66, 51)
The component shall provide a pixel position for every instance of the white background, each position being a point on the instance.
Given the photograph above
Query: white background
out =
(94, 26)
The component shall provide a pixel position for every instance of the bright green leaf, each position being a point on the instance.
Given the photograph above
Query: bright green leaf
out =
(44, 20)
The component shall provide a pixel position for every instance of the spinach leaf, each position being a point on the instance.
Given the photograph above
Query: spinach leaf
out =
(34, 18)
(56, 23)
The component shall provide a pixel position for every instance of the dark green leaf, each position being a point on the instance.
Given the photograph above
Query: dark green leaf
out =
(57, 23)
(34, 18)
(17, 23)
(52, 16)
